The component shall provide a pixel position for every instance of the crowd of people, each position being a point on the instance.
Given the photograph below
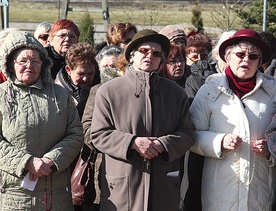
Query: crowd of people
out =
(178, 122)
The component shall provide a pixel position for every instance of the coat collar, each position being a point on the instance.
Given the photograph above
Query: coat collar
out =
(217, 84)
(37, 85)
(144, 81)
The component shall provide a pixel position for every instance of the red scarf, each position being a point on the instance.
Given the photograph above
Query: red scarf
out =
(239, 86)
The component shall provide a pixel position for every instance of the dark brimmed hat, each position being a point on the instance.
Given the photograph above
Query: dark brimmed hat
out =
(147, 35)
(250, 36)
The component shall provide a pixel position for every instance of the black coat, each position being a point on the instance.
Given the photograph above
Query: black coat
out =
(58, 61)
(200, 70)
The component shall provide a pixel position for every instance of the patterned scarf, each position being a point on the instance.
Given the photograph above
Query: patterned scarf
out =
(239, 86)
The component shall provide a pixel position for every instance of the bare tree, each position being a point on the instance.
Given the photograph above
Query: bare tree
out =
(226, 18)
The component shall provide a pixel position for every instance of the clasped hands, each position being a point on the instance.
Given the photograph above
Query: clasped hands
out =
(232, 142)
(39, 167)
(148, 147)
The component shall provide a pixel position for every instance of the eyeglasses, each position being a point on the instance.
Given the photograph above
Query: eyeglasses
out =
(176, 60)
(23, 63)
(241, 55)
(43, 37)
(70, 36)
(146, 51)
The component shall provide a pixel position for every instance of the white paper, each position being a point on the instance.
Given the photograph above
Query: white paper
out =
(27, 183)
(173, 174)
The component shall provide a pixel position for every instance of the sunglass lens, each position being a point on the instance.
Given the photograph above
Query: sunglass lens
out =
(156, 53)
(147, 51)
(241, 55)
(253, 56)
(44, 37)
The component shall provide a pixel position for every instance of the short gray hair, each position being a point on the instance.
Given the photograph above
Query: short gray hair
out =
(107, 51)
(42, 28)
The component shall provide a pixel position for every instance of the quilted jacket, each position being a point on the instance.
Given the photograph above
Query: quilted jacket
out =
(37, 120)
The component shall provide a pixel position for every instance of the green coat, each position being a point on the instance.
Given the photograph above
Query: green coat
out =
(38, 120)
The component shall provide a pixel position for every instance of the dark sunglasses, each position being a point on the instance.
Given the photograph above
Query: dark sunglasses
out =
(241, 55)
(146, 51)
(44, 37)
(126, 41)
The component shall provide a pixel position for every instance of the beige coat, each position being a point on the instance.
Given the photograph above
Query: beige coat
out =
(145, 105)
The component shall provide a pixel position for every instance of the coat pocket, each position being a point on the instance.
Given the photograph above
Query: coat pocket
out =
(117, 193)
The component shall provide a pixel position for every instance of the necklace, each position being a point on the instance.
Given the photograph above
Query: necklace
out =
(252, 171)
(45, 193)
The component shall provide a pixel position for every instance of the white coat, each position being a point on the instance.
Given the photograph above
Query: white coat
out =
(234, 180)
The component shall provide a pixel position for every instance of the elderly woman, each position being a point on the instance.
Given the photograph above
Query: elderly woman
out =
(41, 133)
(143, 138)
(231, 112)
(42, 33)
(62, 35)
(107, 56)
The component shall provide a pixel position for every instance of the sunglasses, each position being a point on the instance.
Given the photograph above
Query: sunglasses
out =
(147, 51)
(43, 37)
(126, 41)
(241, 55)
(193, 57)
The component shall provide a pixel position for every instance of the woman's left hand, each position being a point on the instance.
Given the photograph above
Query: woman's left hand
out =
(260, 148)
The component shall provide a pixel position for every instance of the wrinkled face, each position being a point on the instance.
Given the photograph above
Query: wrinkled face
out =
(82, 76)
(147, 57)
(244, 60)
(107, 61)
(27, 65)
(175, 68)
(62, 40)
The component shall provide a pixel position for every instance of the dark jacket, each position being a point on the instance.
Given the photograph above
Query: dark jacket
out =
(58, 61)
(200, 70)
(79, 95)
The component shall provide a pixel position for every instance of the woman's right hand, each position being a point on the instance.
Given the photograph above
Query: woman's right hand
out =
(231, 142)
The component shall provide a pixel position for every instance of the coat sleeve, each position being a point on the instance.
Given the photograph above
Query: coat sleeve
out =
(13, 159)
(87, 116)
(207, 143)
(65, 151)
(104, 135)
(271, 136)
(179, 141)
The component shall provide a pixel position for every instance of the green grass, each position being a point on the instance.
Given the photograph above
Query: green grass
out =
(143, 14)
(161, 14)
